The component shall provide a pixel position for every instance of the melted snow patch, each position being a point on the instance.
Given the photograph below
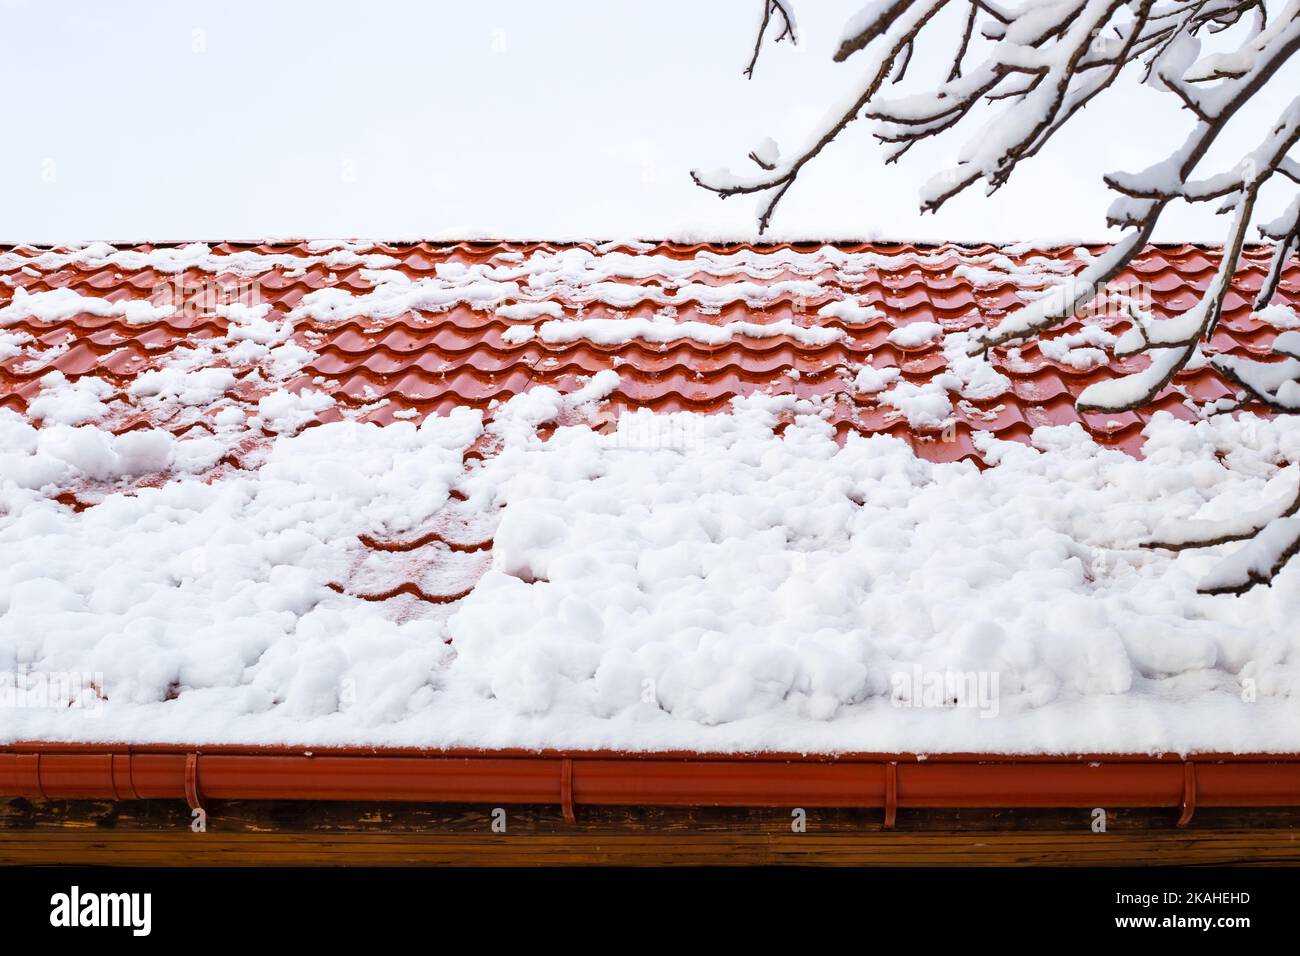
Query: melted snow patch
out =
(870, 380)
(915, 334)
(1279, 316)
(57, 305)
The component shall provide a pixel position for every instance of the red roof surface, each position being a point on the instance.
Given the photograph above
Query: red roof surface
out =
(428, 362)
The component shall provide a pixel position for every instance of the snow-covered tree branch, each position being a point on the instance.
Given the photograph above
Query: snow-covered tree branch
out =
(1035, 65)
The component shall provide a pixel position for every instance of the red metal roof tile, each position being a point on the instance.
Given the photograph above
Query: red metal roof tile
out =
(429, 362)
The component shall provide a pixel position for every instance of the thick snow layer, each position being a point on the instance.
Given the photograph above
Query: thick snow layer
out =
(195, 255)
(1279, 316)
(610, 332)
(850, 310)
(870, 380)
(926, 406)
(532, 287)
(69, 402)
(915, 335)
(680, 581)
(55, 305)
(1083, 350)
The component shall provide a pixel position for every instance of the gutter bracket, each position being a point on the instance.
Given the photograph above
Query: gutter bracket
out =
(192, 795)
(1189, 794)
(30, 765)
(566, 791)
(891, 794)
(121, 776)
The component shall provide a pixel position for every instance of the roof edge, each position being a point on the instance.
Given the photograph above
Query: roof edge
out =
(301, 748)
(63, 771)
(670, 240)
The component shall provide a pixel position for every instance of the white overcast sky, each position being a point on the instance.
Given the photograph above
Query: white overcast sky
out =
(243, 119)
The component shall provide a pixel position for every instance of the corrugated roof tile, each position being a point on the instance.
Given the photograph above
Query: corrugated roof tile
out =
(417, 363)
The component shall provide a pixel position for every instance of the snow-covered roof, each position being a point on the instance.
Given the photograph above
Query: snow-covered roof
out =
(175, 335)
(637, 495)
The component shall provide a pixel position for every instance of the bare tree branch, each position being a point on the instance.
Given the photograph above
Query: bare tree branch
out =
(1209, 534)
(1041, 64)
(962, 47)
(902, 32)
(788, 31)
(1285, 231)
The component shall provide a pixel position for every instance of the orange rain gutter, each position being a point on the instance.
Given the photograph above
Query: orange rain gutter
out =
(603, 778)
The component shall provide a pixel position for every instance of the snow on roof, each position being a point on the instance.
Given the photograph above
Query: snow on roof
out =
(637, 496)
